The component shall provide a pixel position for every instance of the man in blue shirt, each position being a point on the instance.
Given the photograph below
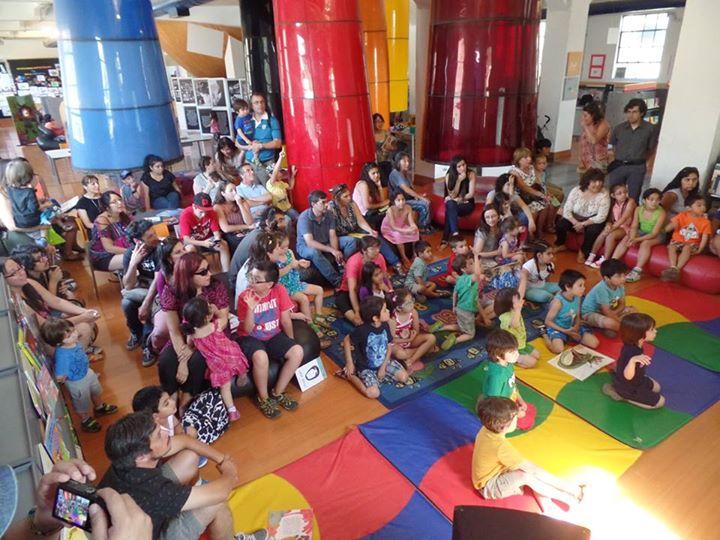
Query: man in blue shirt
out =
(266, 138)
(318, 242)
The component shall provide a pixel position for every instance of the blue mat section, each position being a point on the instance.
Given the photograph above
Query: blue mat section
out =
(413, 437)
(711, 326)
(687, 387)
(419, 520)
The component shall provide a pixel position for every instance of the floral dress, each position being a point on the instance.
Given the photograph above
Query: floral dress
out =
(530, 181)
(291, 280)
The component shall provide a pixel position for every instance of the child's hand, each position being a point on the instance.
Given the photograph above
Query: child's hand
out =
(518, 305)
(574, 335)
(641, 359)
(281, 155)
(303, 263)
(349, 369)
(251, 300)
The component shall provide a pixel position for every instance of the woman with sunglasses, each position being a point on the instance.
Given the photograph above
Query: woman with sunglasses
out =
(108, 240)
(181, 368)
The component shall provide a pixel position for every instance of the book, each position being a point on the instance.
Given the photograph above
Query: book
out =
(48, 390)
(290, 524)
(53, 440)
(580, 362)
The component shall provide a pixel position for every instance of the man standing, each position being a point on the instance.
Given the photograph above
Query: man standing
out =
(634, 143)
(266, 138)
(166, 492)
(318, 242)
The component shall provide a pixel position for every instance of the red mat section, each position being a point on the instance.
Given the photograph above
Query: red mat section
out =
(448, 484)
(694, 305)
(611, 346)
(352, 489)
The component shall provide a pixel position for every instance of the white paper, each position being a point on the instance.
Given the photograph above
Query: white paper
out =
(583, 371)
(613, 36)
(310, 374)
(69, 204)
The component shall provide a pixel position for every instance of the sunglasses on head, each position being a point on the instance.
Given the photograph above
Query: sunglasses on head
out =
(203, 272)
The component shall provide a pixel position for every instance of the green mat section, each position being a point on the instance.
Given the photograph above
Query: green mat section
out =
(636, 427)
(466, 389)
(691, 343)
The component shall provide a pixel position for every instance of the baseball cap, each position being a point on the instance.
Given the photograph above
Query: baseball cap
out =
(202, 201)
(124, 174)
(8, 497)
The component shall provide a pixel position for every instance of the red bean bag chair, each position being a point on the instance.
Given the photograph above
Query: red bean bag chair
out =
(574, 241)
(185, 182)
(483, 186)
(702, 273)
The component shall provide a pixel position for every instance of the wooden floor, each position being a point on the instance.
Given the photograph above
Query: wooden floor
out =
(676, 485)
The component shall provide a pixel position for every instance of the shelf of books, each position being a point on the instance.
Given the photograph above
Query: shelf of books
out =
(35, 425)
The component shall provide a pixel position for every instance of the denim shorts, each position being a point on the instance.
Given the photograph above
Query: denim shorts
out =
(369, 376)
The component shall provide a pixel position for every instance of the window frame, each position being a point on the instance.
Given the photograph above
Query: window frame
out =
(642, 32)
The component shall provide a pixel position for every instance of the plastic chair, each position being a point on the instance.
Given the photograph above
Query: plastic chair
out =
(93, 270)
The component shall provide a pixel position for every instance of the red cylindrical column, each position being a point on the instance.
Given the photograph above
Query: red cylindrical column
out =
(482, 80)
(326, 106)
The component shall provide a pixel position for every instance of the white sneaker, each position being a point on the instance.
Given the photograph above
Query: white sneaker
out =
(597, 263)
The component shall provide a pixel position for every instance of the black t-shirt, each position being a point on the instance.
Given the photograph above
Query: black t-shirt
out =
(91, 206)
(627, 352)
(159, 189)
(158, 496)
(146, 269)
(371, 344)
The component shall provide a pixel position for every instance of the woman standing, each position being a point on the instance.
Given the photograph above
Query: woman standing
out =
(228, 160)
(370, 197)
(684, 184)
(585, 211)
(385, 143)
(594, 138)
(108, 239)
(162, 193)
(459, 196)
(234, 219)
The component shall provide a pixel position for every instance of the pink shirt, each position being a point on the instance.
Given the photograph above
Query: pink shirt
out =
(353, 268)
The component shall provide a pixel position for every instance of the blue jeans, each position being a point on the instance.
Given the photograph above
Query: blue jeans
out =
(388, 252)
(348, 245)
(453, 212)
(544, 294)
(324, 262)
(171, 201)
(423, 209)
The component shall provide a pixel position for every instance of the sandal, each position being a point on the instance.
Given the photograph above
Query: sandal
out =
(340, 373)
(90, 425)
(104, 409)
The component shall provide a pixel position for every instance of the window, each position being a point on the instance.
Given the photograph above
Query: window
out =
(541, 46)
(639, 52)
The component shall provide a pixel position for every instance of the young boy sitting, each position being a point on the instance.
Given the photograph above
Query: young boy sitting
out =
(459, 246)
(604, 305)
(691, 232)
(417, 277)
(72, 368)
(500, 471)
(502, 348)
(466, 301)
(563, 319)
(370, 362)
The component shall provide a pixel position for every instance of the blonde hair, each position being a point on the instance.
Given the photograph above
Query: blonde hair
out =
(18, 173)
(520, 153)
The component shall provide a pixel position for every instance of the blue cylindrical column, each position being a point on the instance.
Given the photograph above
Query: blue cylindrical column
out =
(117, 101)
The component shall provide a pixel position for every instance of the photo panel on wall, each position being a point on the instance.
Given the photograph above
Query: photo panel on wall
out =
(202, 92)
(176, 90)
(187, 92)
(192, 120)
(204, 118)
(218, 92)
(223, 121)
(235, 89)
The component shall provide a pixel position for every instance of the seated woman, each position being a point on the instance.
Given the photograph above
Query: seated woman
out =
(37, 266)
(459, 196)
(108, 240)
(44, 305)
(350, 224)
(88, 206)
(370, 197)
(685, 183)
(162, 193)
(235, 220)
(505, 183)
(585, 211)
(228, 160)
(208, 180)
(529, 187)
(181, 368)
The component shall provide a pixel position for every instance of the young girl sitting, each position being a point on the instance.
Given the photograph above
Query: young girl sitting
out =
(630, 383)
(537, 270)
(290, 279)
(509, 243)
(645, 232)
(617, 228)
(563, 320)
(374, 282)
(398, 227)
(508, 307)
(223, 356)
(409, 344)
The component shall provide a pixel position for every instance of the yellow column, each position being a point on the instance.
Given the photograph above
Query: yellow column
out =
(397, 16)
(375, 43)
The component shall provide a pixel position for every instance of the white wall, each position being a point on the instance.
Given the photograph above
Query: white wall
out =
(22, 49)
(596, 43)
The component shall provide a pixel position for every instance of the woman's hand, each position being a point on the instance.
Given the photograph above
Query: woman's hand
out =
(144, 313)
(182, 372)
(579, 226)
(55, 275)
(89, 316)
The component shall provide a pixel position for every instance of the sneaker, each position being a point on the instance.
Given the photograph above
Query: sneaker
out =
(633, 276)
(597, 263)
(234, 416)
(267, 407)
(148, 357)
(590, 261)
(669, 274)
(132, 343)
(285, 401)
(90, 425)
(105, 409)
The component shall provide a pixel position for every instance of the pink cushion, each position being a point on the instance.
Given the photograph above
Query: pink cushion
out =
(701, 273)
(185, 182)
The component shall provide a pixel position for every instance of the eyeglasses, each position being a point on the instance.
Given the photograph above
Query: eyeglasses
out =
(255, 280)
(203, 272)
(16, 272)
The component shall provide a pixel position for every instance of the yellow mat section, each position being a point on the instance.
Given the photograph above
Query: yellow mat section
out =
(662, 315)
(250, 504)
(569, 447)
(544, 377)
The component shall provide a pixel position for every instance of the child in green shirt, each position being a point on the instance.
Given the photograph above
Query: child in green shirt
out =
(502, 348)
(508, 307)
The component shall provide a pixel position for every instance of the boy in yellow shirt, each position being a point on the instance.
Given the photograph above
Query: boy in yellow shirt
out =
(499, 471)
(279, 189)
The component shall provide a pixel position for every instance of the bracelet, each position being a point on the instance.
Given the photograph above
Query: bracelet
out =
(35, 530)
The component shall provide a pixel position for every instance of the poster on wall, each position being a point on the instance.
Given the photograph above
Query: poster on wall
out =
(223, 121)
(202, 92)
(187, 93)
(176, 90)
(40, 73)
(191, 118)
(597, 66)
(25, 118)
(235, 89)
(205, 119)
(217, 93)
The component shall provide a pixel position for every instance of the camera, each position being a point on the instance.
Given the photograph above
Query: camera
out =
(72, 503)
(70, 284)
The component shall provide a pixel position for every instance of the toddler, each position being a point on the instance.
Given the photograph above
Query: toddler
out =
(373, 282)
(72, 368)
(368, 353)
(508, 307)
(459, 246)
(399, 228)
(244, 125)
(604, 305)
(132, 192)
(691, 233)
(537, 270)
(500, 471)
(509, 242)
(223, 356)
(280, 185)
(417, 277)
(645, 231)
(410, 343)
(563, 320)
(618, 226)
(630, 383)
